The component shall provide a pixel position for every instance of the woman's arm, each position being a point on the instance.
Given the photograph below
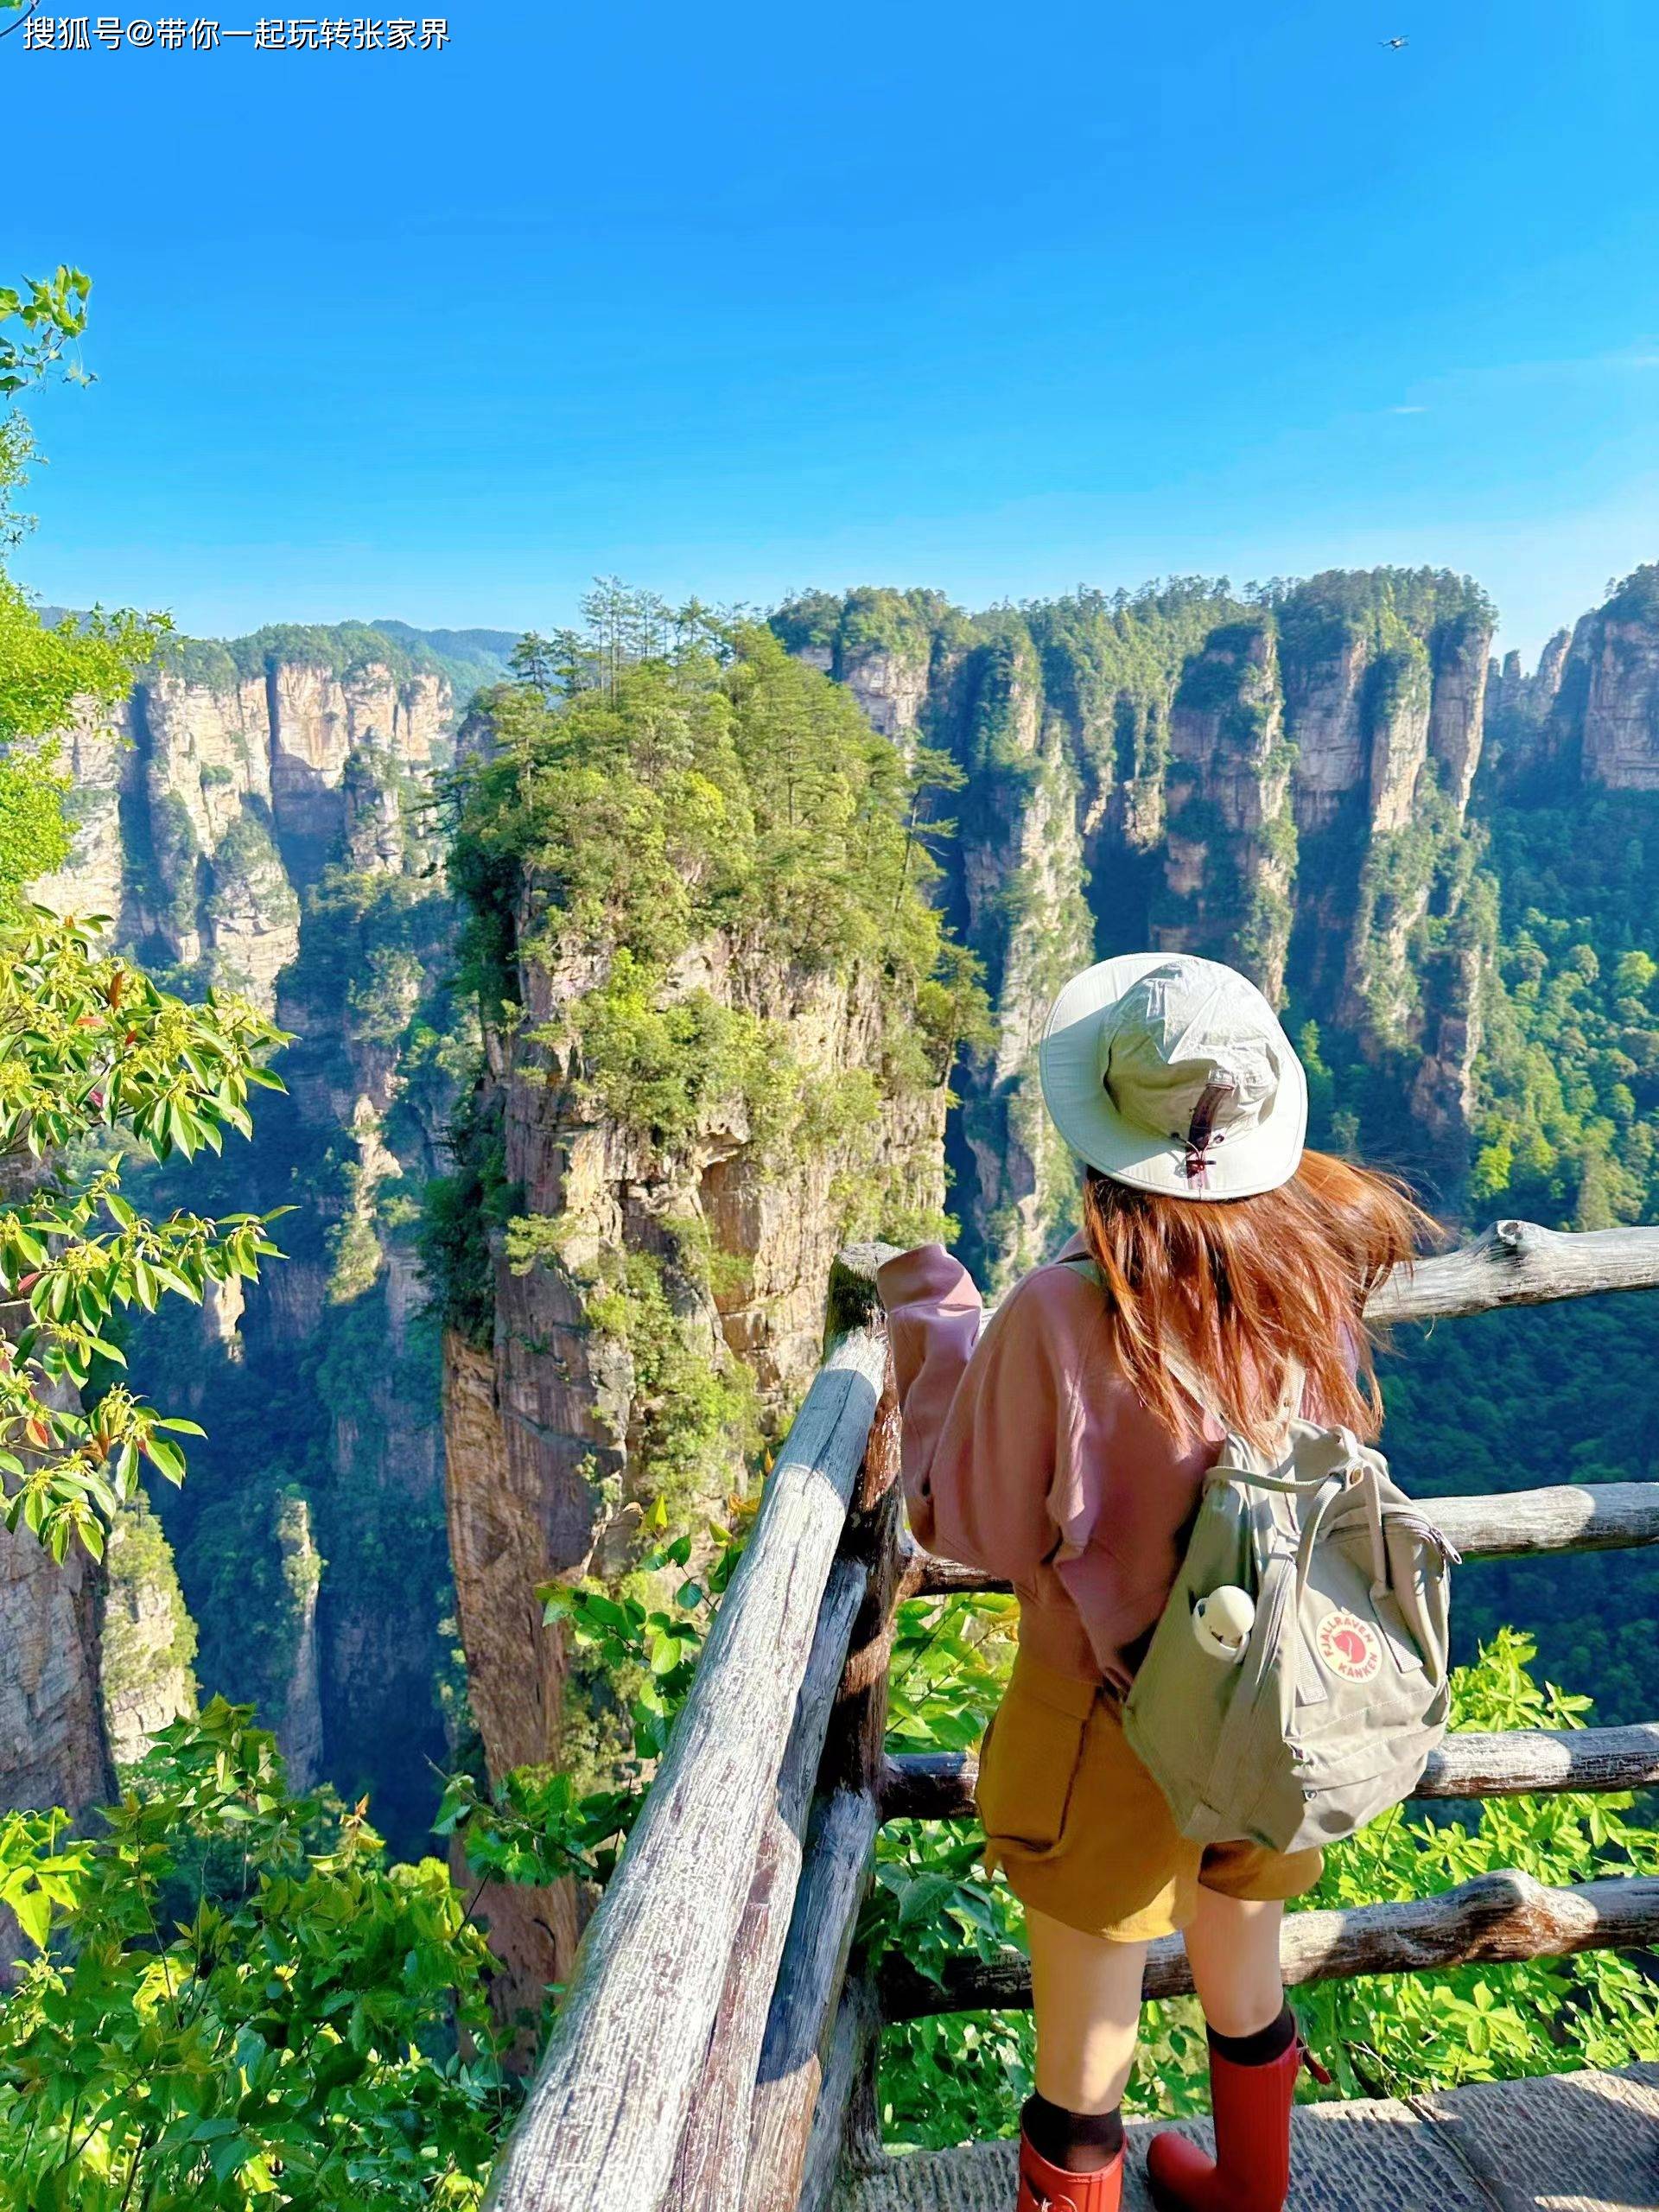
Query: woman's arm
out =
(989, 1420)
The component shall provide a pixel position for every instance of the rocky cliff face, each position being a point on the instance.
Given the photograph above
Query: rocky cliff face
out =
(256, 816)
(1519, 711)
(212, 797)
(1589, 712)
(652, 1306)
(149, 1639)
(626, 1335)
(1609, 688)
(1282, 785)
(55, 1746)
(54, 1734)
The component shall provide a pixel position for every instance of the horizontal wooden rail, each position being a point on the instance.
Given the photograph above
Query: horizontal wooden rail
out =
(628, 2048)
(1514, 1762)
(1567, 1517)
(1506, 1524)
(1518, 1264)
(1495, 1918)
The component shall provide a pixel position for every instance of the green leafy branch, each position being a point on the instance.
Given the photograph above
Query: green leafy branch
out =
(37, 323)
(90, 1047)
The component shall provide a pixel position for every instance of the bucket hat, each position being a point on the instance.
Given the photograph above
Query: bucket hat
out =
(1173, 1074)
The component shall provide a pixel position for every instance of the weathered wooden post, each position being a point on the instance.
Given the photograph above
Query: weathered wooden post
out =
(815, 2053)
(607, 2111)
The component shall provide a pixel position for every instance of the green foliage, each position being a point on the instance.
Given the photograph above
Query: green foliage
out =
(540, 1825)
(234, 2002)
(90, 1048)
(1570, 1071)
(667, 1068)
(44, 671)
(961, 2077)
(47, 670)
(34, 837)
(37, 323)
(693, 1409)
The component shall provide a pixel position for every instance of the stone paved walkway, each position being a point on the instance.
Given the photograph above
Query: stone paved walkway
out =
(1569, 2143)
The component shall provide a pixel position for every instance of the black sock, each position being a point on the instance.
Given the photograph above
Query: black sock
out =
(1078, 2142)
(1260, 2048)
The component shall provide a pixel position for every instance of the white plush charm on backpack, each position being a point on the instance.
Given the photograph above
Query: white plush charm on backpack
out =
(1222, 1622)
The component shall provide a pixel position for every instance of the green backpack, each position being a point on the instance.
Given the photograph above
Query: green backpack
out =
(1297, 1680)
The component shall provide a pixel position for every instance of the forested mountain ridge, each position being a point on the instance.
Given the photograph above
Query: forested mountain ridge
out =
(1449, 873)
(1306, 780)
(1280, 779)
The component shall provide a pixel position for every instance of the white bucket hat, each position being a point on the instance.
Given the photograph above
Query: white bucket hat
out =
(1173, 1074)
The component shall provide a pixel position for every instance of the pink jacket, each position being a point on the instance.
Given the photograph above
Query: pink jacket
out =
(1025, 1454)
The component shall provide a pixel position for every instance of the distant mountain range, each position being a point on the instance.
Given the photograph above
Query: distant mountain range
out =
(469, 658)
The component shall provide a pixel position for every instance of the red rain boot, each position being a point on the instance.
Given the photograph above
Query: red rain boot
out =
(1251, 2169)
(1043, 2187)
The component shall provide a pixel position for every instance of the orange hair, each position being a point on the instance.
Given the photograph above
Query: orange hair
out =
(1240, 1287)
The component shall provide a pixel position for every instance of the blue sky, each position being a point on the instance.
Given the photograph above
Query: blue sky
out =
(735, 301)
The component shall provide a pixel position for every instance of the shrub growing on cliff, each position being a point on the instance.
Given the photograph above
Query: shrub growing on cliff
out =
(234, 2002)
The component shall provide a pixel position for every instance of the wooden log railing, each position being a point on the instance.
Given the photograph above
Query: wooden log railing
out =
(1491, 1919)
(629, 2047)
(1508, 1524)
(1516, 1763)
(717, 2046)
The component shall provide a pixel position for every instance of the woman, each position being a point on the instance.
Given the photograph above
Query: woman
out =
(1066, 1449)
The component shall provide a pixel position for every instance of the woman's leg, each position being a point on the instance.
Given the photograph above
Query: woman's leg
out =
(1233, 1943)
(1085, 1993)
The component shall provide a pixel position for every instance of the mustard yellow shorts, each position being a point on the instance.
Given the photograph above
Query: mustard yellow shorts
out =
(1082, 1831)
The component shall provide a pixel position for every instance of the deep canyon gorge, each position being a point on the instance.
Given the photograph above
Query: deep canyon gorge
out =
(1331, 783)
